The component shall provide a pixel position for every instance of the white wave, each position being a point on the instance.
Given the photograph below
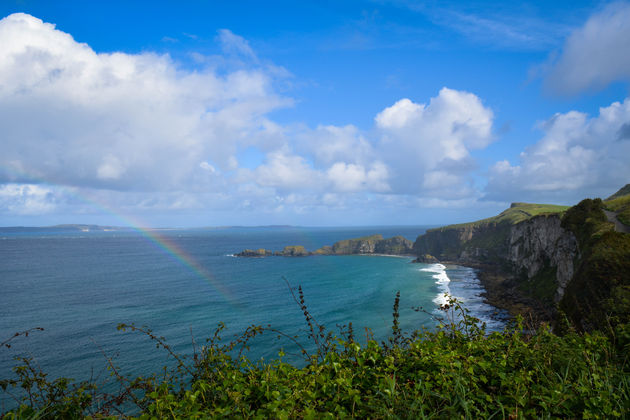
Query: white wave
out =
(230, 255)
(442, 280)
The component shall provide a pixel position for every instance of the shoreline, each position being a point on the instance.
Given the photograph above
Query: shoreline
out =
(501, 291)
(463, 283)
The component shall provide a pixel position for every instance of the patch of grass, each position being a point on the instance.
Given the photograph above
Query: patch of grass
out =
(621, 206)
(515, 214)
(623, 191)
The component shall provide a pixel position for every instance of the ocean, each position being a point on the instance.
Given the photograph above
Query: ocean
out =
(79, 286)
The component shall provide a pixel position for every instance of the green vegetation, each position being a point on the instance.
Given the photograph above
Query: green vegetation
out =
(619, 203)
(621, 206)
(457, 371)
(623, 191)
(515, 214)
(599, 293)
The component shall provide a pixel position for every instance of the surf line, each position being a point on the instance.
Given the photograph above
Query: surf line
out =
(442, 280)
(152, 235)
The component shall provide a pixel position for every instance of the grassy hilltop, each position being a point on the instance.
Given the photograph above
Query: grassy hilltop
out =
(515, 214)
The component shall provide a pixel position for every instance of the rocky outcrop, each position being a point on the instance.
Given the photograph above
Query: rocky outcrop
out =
(255, 253)
(541, 244)
(364, 245)
(426, 259)
(292, 251)
(472, 243)
(397, 245)
(374, 244)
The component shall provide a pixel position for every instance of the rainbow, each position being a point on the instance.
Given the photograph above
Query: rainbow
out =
(163, 243)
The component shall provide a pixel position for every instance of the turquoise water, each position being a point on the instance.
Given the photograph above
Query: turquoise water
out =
(79, 285)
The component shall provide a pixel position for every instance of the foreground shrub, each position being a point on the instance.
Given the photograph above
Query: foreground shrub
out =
(456, 371)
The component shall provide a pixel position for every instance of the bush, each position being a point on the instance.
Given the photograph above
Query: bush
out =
(455, 371)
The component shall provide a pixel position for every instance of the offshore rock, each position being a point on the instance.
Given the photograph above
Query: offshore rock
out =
(256, 253)
(374, 244)
(293, 251)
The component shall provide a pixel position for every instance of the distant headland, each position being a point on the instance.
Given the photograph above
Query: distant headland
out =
(374, 244)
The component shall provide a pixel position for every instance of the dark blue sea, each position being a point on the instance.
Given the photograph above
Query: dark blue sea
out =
(79, 286)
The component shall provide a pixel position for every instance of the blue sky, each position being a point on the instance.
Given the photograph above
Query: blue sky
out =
(198, 113)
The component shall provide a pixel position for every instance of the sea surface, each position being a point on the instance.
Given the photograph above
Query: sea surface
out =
(79, 286)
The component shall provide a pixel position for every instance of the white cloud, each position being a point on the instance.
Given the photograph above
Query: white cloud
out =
(138, 133)
(328, 144)
(506, 25)
(72, 116)
(354, 178)
(576, 156)
(286, 171)
(595, 54)
(234, 44)
(419, 139)
(207, 167)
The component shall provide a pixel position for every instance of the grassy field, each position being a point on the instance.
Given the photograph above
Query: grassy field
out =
(516, 213)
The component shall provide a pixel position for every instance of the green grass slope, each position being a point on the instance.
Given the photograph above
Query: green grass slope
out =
(515, 214)
(619, 202)
(598, 296)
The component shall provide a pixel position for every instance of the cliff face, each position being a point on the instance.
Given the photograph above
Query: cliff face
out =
(365, 245)
(572, 260)
(533, 251)
(540, 245)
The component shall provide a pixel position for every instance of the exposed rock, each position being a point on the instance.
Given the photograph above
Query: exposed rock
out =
(530, 262)
(374, 244)
(539, 243)
(255, 253)
(426, 259)
(397, 245)
(293, 251)
(364, 245)
(325, 250)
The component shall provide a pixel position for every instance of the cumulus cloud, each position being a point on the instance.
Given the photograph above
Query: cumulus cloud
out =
(137, 132)
(328, 144)
(595, 54)
(121, 121)
(431, 143)
(286, 172)
(354, 178)
(577, 155)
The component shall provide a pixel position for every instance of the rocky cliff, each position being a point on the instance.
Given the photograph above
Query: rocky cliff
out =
(538, 259)
(540, 251)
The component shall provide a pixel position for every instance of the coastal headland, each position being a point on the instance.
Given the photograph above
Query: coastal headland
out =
(373, 244)
(548, 263)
